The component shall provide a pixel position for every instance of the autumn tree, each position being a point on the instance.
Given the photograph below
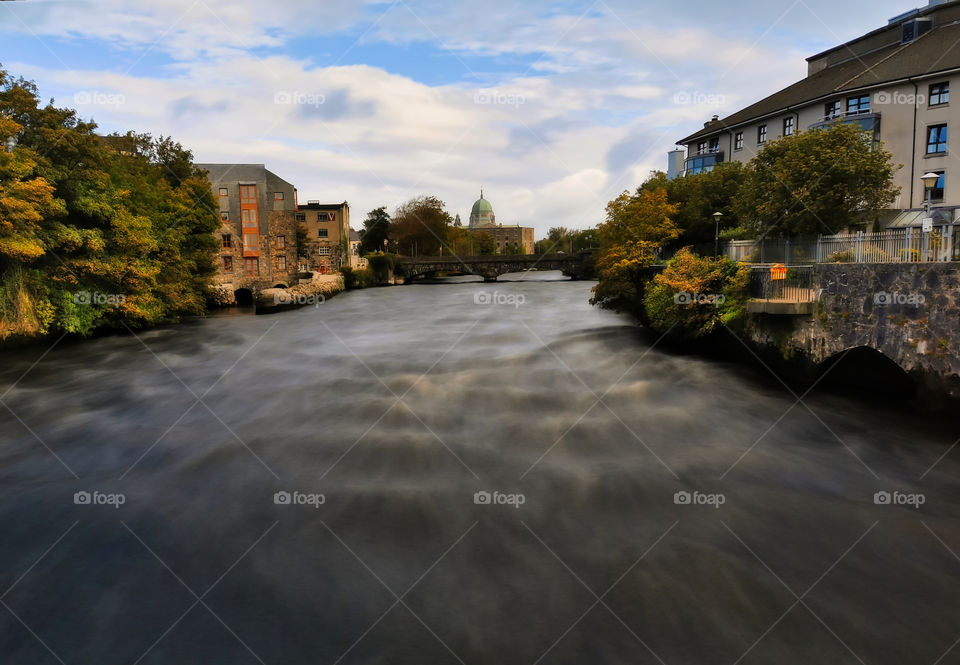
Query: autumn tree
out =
(635, 228)
(817, 181)
(420, 225)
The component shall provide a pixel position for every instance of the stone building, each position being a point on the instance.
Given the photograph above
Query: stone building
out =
(327, 230)
(257, 232)
(894, 82)
(509, 238)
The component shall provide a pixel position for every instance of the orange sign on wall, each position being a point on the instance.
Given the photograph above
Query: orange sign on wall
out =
(778, 271)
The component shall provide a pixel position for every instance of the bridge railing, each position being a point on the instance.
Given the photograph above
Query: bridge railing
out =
(908, 245)
(780, 283)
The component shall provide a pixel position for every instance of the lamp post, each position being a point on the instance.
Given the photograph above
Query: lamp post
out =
(929, 182)
(716, 233)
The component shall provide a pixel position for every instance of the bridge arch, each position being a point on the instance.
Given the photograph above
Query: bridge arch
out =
(868, 370)
(243, 297)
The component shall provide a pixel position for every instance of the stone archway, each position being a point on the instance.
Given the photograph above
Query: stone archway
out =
(243, 297)
(865, 369)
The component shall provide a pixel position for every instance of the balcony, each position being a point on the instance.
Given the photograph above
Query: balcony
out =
(702, 162)
(869, 122)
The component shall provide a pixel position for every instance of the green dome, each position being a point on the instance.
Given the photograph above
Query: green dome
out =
(481, 206)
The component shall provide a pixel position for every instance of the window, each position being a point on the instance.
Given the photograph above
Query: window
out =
(323, 217)
(281, 242)
(701, 147)
(223, 191)
(278, 196)
(715, 145)
(738, 141)
(251, 242)
(281, 263)
(249, 218)
(248, 194)
(324, 251)
(226, 240)
(224, 216)
(857, 105)
(939, 94)
(936, 139)
(936, 193)
(227, 263)
(323, 233)
(251, 266)
(761, 134)
(788, 126)
(301, 216)
(831, 110)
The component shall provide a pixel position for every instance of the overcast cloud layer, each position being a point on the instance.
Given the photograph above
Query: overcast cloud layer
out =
(553, 107)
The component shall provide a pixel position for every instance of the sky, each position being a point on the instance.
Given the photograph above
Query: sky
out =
(554, 108)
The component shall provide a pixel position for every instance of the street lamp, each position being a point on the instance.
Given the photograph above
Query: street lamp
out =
(716, 233)
(929, 182)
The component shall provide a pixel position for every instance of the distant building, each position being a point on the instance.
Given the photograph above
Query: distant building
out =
(327, 230)
(675, 163)
(508, 237)
(357, 261)
(257, 232)
(893, 82)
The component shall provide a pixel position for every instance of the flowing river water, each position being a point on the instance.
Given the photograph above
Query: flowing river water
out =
(527, 480)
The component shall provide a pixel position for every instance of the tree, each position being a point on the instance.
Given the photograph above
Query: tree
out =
(484, 244)
(376, 228)
(818, 181)
(420, 226)
(636, 227)
(694, 295)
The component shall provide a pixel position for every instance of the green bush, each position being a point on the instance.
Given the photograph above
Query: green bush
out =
(358, 279)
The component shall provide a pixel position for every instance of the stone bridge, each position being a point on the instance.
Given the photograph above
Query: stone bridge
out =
(908, 312)
(575, 266)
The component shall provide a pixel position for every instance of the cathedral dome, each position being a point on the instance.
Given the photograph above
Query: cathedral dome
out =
(482, 213)
(481, 206)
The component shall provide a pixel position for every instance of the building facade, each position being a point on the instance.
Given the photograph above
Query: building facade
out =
(326, 227)
(509, 238)
(257, 234)
(894, 82)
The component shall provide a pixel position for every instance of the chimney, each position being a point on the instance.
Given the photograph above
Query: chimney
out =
(712, 120)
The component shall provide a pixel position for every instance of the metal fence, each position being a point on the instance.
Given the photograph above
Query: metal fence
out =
(792, 284)
(908, 245)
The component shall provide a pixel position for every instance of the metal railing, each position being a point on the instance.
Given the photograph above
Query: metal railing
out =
(793, 284)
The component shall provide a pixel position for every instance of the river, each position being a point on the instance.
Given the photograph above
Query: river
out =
(459, 473)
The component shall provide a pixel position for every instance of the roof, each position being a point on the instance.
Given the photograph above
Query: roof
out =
(322, 206)
(931, 53)
(354, 236)
(234, 172)
(481, 206)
